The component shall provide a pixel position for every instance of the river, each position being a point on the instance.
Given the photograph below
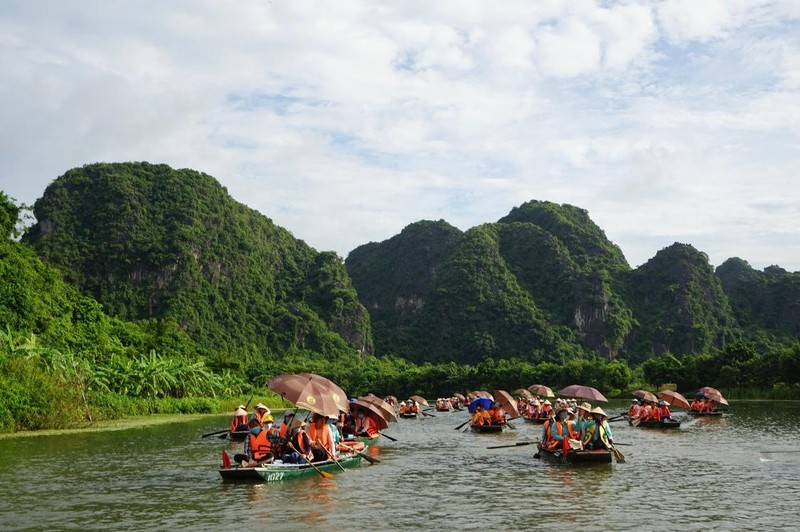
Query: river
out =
(709, 474)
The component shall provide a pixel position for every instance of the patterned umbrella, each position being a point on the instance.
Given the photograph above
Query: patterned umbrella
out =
(712, 393)
(583, 392)
(306, 393)
(386, 408)
(372, 411)
(339, 396)
(541, 389)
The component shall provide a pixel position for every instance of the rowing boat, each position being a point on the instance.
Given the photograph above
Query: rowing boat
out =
(238, 435)
(656, 424)
(484, 429)
(574, 456)
(408, 414)
(275, 472)
(696, 413)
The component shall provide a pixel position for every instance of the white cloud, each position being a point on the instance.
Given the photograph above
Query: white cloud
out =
(667, 120)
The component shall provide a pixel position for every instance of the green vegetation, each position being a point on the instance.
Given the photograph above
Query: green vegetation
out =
(142, 289)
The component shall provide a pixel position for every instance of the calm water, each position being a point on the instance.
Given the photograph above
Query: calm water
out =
(710, 474)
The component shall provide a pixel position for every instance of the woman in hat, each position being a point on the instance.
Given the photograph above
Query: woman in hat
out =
(239, 423)
(260, 413)
(598, 435)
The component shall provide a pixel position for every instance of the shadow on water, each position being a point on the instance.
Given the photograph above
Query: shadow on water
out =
(710, 473)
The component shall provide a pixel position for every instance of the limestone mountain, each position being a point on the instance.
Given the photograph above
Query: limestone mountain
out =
(151, 241)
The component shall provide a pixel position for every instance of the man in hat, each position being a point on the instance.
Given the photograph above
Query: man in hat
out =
(634, 410)
(598, 435)
(584, 419)
(239, 423)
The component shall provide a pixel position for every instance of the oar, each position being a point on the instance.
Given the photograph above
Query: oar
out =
(512, 427)
(617, 454)
(323, 474)
(330, 455)
(387, 436)
(215, 433)
(464, 423)
(623, 443)
(518, 444)
(788, 451)
(426, 414)
(615, 418)
(369, 459)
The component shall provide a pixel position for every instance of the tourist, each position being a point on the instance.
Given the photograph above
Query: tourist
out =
(598, 435)
(239, 423)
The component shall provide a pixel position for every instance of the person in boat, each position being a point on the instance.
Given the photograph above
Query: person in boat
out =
(260, 412)
(323, 444)
(547, 407)
(239, 423)
(663, 411)
(259, 445)
(299, 444)
(403, 408)
(583, 420)
(697, 405)
(557, 430)
(646, 412)
(284, 431)
(635, 409)
(709, 406)
(480, 417)
(496, 414)
(598, 435)
(366, 425)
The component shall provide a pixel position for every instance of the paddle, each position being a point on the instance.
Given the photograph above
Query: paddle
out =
(330, 455)
(323, 474)
(518, 444)
(636, 421)
(772, 452)
(387, 436)
(426, 414)
(369, 459)
(615, 418)
(464, 423)
(617, 454)
(215, 433)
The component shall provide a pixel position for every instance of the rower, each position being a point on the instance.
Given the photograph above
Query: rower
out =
(635, 410)
(239, 423)
(598, 436)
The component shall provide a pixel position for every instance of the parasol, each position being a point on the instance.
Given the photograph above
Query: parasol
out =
(712, 393)
(484, 402)
(541, 389)
(386, 408)
(673, 398)
(421, 400)
(506, 402)
(313, 395)
(524, 393)
(583, 392)
(460, 397)
(372, 411)
(645, 396)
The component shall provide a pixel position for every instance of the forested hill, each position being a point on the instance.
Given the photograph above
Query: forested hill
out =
(149, 241)
(545, 284)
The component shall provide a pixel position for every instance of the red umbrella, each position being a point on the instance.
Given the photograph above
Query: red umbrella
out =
(507, 402)
(645, 395)
(583, 392)
(386, 408)
(372, 411)
(306, 393)
(541, 389)
(421, 400)
(673, 398)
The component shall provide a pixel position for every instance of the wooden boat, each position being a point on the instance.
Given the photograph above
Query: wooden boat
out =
(277, 472)
(238, 435)
(408, 414)
(536, 420)
(443, 408)
(654, 424)
(485, 429)
(696, 413)
(573, 456)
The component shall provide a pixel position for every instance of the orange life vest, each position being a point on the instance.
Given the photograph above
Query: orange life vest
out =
(323, 437)
(260, 445)
(238, 420)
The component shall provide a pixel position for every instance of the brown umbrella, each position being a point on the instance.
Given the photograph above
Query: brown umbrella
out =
(524, 393)
(712, 393)
(507, 402)
(459, 397)
(421, 400)
(339, 396)
(386, 408)
(645, 396)
(483, 393)
(673, 398)
(541, 389)
(304, 392)
(369, 408)
(583, 392)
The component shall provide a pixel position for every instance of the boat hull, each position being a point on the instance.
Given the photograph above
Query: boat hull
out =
(280, 472)
(238, 435)
(408, 415)
(487, 429)
(600, 456)
(712, 414)
(653, 424)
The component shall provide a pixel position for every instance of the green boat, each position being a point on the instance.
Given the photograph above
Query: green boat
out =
(277, 472)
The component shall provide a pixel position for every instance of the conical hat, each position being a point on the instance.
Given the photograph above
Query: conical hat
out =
(598, 410)
(240, 412)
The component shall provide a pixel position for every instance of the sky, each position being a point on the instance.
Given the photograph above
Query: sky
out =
(343, 122)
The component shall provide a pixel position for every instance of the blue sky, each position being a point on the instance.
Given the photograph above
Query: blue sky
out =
(674, 120)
